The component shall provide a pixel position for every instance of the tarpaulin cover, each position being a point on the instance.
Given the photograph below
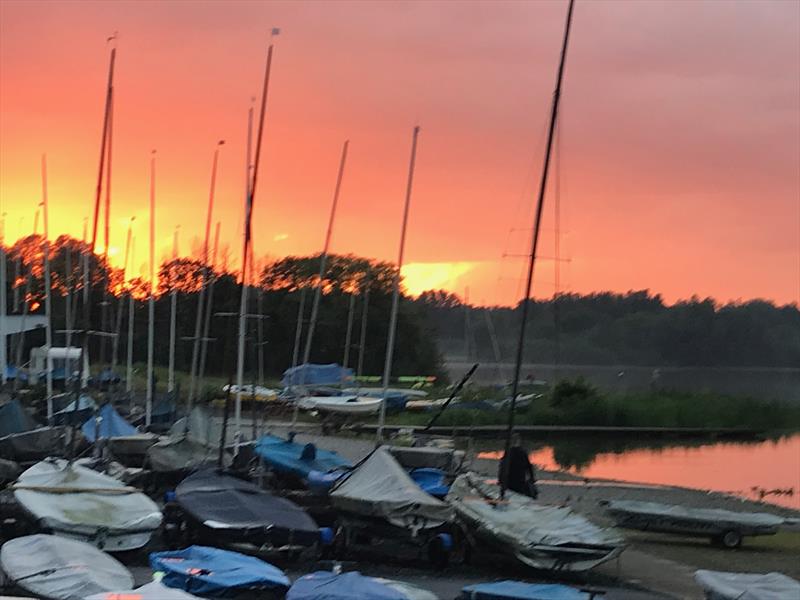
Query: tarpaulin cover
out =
(431, 481)
(725, 518)
(193, 443)
(539, 535)
(56, 567)
(517, 590)
(208, 571)
(75, 500)
(291, 458)
(380, 487)
(150, 591)
(14, 419)
(747, 586)
(446, 459)
(324, 585)
(111, 425)
(230, 505)
(69, 416)
(310, 374)
(36, 444)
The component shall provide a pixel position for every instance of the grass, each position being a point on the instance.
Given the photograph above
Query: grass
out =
(577, 403)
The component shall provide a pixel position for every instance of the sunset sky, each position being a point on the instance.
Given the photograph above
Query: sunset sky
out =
(679, 161)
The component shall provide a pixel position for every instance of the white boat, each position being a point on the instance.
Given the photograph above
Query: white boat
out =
(262, 394)
(345, 405)
(155, 590)
(49, 566)
(377, 392)
(425, 404)
(538, 535)
(76, 502)
(719, 585)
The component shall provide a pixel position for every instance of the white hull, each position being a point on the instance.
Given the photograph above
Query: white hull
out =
(346, 405)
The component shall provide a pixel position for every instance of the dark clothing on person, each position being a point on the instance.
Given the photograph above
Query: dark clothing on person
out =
(521, 478)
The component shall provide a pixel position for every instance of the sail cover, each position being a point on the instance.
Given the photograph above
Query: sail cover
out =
(747, 586)
(380, 487)
(218, 573)
(324, 585)
(75, 500)
(236, 507)
(111, 425)
(725, 518)
(291, 458)
(518, 590)
(54, 567)
(309, 374)
(14, 419)
(154, 590)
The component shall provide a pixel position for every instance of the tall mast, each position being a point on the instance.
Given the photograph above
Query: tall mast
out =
(209, 307)
(387, 367)
(129, 257)
(534, 243)
(48, 306)
(151, 296)
(323, 261)
(3, 300)
(247, 235)
(106, 305)
(362, 334)
(173, 299)
(348, 336)
(298, 330)
(193, 387)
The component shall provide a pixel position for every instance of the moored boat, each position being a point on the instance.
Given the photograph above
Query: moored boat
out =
(720, 585)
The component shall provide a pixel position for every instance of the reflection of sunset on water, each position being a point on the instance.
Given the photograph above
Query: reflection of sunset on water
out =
(734, 468)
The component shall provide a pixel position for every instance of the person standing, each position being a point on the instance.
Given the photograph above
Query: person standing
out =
(521, 476)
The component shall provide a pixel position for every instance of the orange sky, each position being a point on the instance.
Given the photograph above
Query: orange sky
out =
(680, 139)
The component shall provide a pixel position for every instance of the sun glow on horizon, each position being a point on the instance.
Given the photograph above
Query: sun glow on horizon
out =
(422, 276)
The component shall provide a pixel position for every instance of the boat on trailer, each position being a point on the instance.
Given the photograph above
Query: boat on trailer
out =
(225, 509)
(725, 527)
(538, 535)
(73, 501)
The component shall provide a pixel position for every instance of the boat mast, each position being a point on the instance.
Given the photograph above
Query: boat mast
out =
(3, 300)
(209, 307)
(173, 299)
(121, 302)
(247, 235)
(48, 306)
(362, 334)
(298, 330)
(193, 379)
(524, 304)
(151, 296)
(387, 367)
(129, 251)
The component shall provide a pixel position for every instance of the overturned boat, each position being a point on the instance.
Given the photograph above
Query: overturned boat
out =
(216, 573)
(76, 502)
(325, 585)
(540, 536)
(226, 509)
(722, 526)
(341, 405)
(49, 566)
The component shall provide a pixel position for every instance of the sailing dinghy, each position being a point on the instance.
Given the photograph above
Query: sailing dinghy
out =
(540, 536)
(124, 441)
(720, 585)
(324, 585)
(76, 502)
(341, 405)
(193, 443)
(226, 509)
(49, 566)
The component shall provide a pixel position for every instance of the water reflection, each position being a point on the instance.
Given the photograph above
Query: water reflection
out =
(747, 469)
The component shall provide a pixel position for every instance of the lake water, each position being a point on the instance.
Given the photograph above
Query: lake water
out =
(743, 469)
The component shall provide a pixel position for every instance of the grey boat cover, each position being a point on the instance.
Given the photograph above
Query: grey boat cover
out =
(154, 590)
(446, 459)
(380, 487)
(747, 586)
(75, 500)
(193, 443)
(54, 567)
(411, 592)
(715, 515)
(522, 524)
(35, 444)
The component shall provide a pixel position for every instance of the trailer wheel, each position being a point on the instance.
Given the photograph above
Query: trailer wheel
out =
(731, 539)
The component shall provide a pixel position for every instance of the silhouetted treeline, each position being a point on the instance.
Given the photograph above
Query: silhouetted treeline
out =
(636, 328)
(276, 295)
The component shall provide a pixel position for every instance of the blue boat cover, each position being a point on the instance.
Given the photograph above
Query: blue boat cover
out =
(324, 585)
(14, 419)
(290, 458)
(310, 374)
(431, 480)
(518, 590)
(12, 372)
(111, 425)
(205, 571)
